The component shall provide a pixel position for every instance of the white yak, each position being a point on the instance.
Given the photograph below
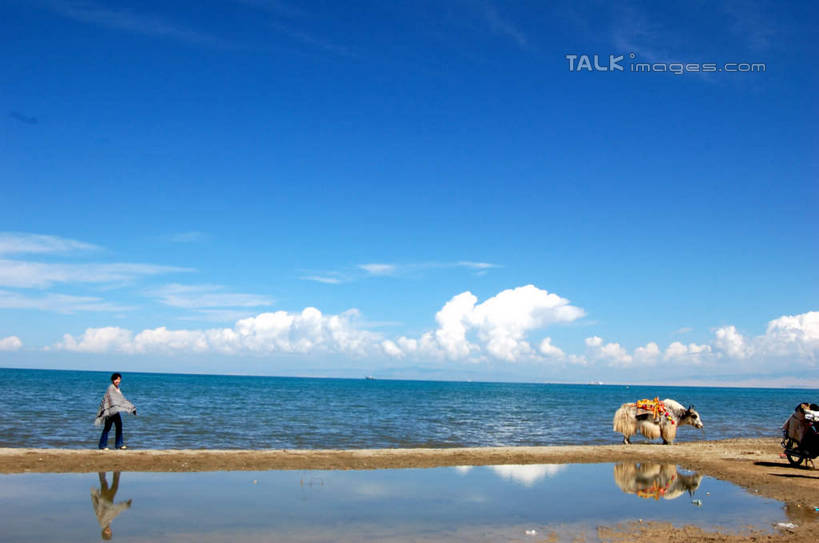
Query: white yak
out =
(667, 416)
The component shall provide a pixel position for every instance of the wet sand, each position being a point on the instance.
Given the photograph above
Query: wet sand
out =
(751, 463)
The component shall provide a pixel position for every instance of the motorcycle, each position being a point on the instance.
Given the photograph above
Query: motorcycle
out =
(800, 436)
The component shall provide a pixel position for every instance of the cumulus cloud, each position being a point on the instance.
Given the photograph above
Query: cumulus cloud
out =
(612, 353)
(280, 331)
(391, 349)
(796, 335)
(550, 351)
(731, 342)
(98, 340)
(497, 327)
(648, 354)
(692, 353)
(500, 328)
(792, 338)
(11, 343)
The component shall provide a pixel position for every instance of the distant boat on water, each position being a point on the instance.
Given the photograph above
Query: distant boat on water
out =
(370, 378)
(595, 382)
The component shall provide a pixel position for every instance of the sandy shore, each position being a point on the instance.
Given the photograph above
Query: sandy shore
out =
(751, 463)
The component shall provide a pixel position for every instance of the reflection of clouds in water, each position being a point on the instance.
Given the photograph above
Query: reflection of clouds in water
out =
(373, 490)
(463, 470)
(527, 475)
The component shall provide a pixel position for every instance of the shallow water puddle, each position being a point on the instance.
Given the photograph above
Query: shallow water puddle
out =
(487, 503)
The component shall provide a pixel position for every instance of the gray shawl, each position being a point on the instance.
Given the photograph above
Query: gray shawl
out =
(112, 403)
(105, 509)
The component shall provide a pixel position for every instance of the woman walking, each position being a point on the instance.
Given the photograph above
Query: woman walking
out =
(112, 403)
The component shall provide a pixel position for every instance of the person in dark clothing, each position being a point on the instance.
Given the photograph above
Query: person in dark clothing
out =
(113, 402)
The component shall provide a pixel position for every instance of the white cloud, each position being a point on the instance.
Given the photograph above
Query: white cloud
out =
(217, 315)
(731, 342)
(378, 269)
(99, 340)
(467, 330)
(305, 332)
(381, 269)
(11, 343)
(550, 351)
(23, 274)
(500, 324)
(692, 353)
(129, 20)
(502, 26)
(793, 339)
(611, 353)
(23, 243)
(323, 279)
(161, 339)
(391, 349)
(206, 296)
(453, 320)
(793, 335)
(647, 355)
(476, 265)
(60, 303)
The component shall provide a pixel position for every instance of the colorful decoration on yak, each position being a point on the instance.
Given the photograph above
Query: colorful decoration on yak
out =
(656, 408)
(656, 490)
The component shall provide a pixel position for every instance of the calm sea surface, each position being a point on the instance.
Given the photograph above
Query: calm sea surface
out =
(47, 408)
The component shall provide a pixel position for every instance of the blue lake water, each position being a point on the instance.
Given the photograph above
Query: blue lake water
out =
(48, 408)
(486, 503)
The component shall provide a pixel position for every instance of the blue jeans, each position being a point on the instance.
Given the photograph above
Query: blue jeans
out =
(117, 421)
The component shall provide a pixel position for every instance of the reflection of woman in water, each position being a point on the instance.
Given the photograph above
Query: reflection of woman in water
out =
(103, 501)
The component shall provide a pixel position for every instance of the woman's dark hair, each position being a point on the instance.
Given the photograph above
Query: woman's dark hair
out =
(114, 376)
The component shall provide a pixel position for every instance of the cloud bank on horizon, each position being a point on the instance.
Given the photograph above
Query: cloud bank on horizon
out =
(497, 329)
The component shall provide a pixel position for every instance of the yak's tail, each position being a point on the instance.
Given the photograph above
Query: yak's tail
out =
(625, 420)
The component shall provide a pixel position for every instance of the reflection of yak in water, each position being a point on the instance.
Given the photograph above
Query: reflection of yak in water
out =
(655, 480)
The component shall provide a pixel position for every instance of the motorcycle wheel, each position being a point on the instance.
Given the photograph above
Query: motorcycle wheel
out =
(794, 458)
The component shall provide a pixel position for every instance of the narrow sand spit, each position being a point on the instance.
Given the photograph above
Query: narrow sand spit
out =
(751, 463)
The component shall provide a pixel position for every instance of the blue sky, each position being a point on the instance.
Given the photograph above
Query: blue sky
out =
(420, 190)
